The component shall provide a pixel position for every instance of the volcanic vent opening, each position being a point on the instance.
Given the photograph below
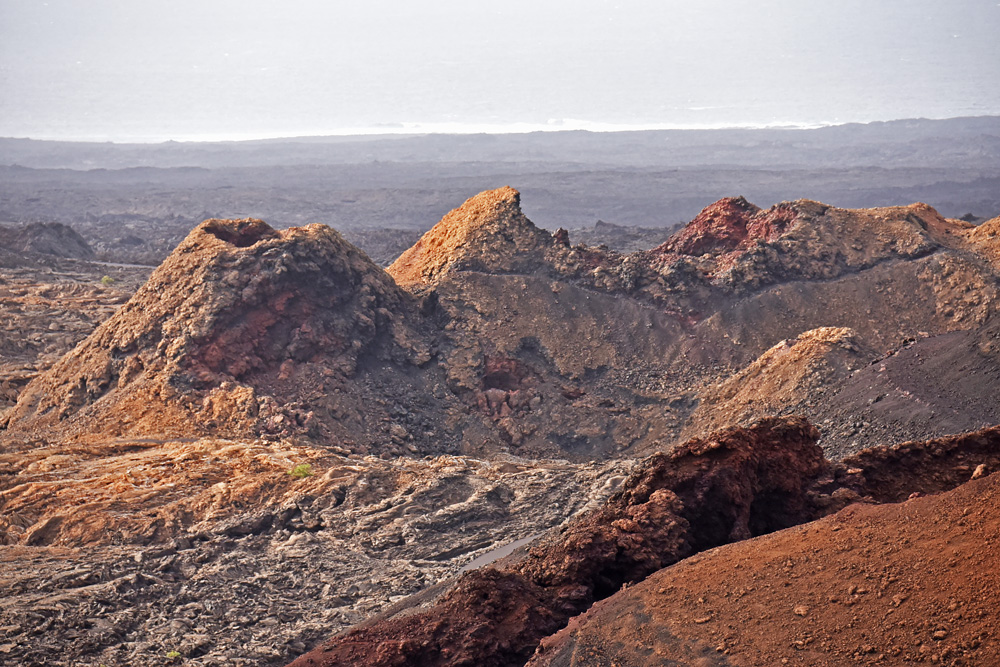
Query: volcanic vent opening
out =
(240, 233)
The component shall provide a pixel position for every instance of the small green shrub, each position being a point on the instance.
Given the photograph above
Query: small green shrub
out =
(301, 471)
(173, 654)
(107, 281)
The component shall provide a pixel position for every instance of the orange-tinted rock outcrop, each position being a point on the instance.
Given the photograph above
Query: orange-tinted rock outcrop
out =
(487, 232)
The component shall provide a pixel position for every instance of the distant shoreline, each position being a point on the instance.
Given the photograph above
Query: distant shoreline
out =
(407, 130)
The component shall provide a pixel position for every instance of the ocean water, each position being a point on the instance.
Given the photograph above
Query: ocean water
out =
(187, 70)
(97, 106)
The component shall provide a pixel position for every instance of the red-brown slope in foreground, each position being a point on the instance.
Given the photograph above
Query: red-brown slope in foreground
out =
(733, 485)
(899, 584)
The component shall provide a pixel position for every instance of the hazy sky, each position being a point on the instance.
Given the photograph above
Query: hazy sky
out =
(151, 69)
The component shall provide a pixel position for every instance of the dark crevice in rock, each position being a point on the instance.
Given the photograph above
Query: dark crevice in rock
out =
(240, 233)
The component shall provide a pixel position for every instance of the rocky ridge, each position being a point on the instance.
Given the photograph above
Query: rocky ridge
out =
(512, 338)
(684, 316)
(745, 248)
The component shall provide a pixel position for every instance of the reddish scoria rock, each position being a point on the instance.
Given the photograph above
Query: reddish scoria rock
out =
(729, 225)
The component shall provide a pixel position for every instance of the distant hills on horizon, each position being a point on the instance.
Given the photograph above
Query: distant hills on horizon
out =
(414, 130)
(626, 146)
(140, 200)
(409, 130)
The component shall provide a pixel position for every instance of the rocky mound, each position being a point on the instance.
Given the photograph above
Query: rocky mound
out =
(46, 238)
(791, 377)
(732, 486)
(985, 238)
(246, 331)
(487, 232)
